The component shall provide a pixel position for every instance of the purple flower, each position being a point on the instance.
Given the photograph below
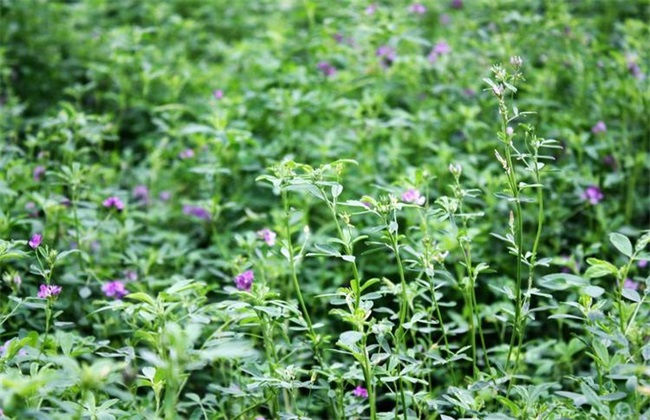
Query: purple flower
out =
(610, 161)
(114, 202)
(444, 19)
(593, 194)
(130, 275)
(326, 68)
(141, 192)
(387, 52)
(642, 264)
(218, 94)
(195, 211)
(48, 290)
(438, 50)
(413, 196)
(371, 9)
(115, 289)
(634, 68)
(39, 171)
(417, 8)
(244, 281)
(338, 38)
(629, 284)
(35, 241)
(600, 127)
(165, 195)
(360, 392)
(456, 4)
(186, 154)
(3, 350)
(268, 236)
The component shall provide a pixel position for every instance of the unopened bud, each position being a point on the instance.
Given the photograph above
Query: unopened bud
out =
(516, 61)
(455, 170)
(501, 160)
(498, 90)
(510, 131)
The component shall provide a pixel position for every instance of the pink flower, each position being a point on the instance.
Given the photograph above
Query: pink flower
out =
(371, 9)
(457, 4)
(35, 241)
(244, 281)
(141, 192)
(413, 196)
(417, 8)
(113, 202)
(440, 49)
(326, 68)
(360, 392)
(218, 94)
(48, 290)
(196, 211)
(268, 236)
(115, 289)
(600, 127)
(39, 171)
(629, 284)
(165, 195)
(593, 194)
(642, 264)
(186, 154)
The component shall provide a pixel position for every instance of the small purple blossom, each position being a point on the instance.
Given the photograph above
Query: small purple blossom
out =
(244, 281)
(196, 211)
(630, 284)
(186, 154)
(386, 52)
(48, 290)
(218, 94)
(642, 264)
(371, 9)
(610, 161)
(35, 240)
(165, 195)
(593, 194)
(141, 192)
(39, 171)
(438, 50)
(131, 275)
(417, 8)
(360, 392)
(338, 38)
(326, 68)
(444, 19)
(413, 196)
(3, 351)
(600, 127)
(268, 236)
(456, 4)
(634, 68)
(115, 289)
(113, 202)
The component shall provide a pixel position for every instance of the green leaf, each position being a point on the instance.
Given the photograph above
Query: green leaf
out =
(631, 294)
(593, 291)
(562, 281)
(349, 340)
(622, 243)
(142, 297)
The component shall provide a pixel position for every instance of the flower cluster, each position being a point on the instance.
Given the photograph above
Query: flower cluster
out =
(360, 392)
(35, 240)
(196, 211)
(413, 196)
(113, 202)
(593, 194)
(440, 49)
(244, 281)
(115, 289)
(48, 290)
(326, 68)
(267, 235)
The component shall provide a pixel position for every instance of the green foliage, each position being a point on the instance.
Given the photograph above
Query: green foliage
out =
(308, 209)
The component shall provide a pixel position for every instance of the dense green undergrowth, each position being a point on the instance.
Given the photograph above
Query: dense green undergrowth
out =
(308, 209)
